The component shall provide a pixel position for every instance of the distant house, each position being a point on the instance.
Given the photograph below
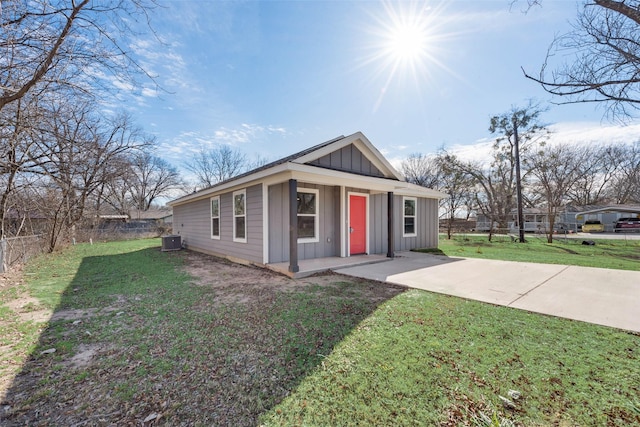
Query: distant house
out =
(569, 218)
(340, 198)
(26, 222)
(136, 221)
(155, 216)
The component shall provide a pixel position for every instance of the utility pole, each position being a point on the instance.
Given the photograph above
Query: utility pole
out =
(516, 144)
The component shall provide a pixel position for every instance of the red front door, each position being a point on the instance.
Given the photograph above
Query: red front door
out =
(357, 225)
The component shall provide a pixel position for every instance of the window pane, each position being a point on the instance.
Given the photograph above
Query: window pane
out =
(409, 226)
(307, 203)
(410, 207)
(238, 203)
(215, 227)
(215, 208)
(240, 232)
(306, 226)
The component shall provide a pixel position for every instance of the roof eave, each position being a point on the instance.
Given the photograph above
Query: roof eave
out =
(314, 174)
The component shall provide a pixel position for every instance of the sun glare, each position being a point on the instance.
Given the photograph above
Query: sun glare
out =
(407, 42)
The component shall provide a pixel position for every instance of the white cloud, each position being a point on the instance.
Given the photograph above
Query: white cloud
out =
(561, 133)
(184, 145)
(587, 132)
(245, 133)
(149, 92)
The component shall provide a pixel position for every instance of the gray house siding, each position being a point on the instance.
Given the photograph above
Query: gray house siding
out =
(378, 222)
(192, 221)
(426, 223)
(328, 217)
(348, 159)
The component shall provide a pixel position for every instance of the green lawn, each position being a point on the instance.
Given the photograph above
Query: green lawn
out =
(427, 359)
(246, 347)
(617, 254)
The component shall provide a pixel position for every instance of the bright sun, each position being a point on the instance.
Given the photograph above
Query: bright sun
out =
(408, 39)
(407, 42)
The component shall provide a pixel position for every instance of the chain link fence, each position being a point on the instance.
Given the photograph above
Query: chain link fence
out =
(17, 250)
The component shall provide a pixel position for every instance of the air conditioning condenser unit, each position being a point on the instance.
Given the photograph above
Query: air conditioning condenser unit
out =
(171, 243)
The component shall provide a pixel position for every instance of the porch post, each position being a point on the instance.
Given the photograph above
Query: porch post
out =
(293, 226)
(390, 226)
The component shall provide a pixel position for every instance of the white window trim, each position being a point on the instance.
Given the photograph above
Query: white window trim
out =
(233, 211)
(414, 216)
(316, 223)
(213, 217)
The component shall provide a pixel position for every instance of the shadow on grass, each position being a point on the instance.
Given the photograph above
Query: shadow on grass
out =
(139, 341)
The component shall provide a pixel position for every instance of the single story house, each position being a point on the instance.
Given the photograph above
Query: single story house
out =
(341, 198)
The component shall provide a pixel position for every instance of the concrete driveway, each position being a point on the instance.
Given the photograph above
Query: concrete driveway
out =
(595, 295)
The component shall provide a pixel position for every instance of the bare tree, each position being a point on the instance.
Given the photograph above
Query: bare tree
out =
(81, 150)
(52, 45)
(518, 128)
(554, 170)
(18, 156)
(439, 172)
(597, 169)
(606, 64)
(457, 184)
(216, 165)
(422, 170)
(625, 186)
(151, 178)
(497, 184)
(115, 191)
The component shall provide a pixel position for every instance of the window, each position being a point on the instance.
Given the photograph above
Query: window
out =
(307, 215)
(240, 216)
(409, 216)
(215, 217)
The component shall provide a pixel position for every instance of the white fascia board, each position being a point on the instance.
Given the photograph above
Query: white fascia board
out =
(409, 189)
(378, 159)
(363, 144)
(316, 175)
(332, 177)
(245, 181)
(324, 176)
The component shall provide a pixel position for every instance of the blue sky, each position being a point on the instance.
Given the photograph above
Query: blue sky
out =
(272, 77)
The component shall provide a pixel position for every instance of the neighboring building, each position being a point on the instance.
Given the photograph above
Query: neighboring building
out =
(607, 215)
(24, 223)
(152, 216)
(337, 199)
(136, 221)
(570, 218)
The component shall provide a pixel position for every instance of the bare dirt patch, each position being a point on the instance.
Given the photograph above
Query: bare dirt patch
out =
(29, 309)
(84, 355)
(235, 283)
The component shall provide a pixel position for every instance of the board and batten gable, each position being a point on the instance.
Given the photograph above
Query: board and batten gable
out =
(192, 221)
(348, 159)
(328, 243)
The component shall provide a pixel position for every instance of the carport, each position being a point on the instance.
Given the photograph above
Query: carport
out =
(615, 209)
